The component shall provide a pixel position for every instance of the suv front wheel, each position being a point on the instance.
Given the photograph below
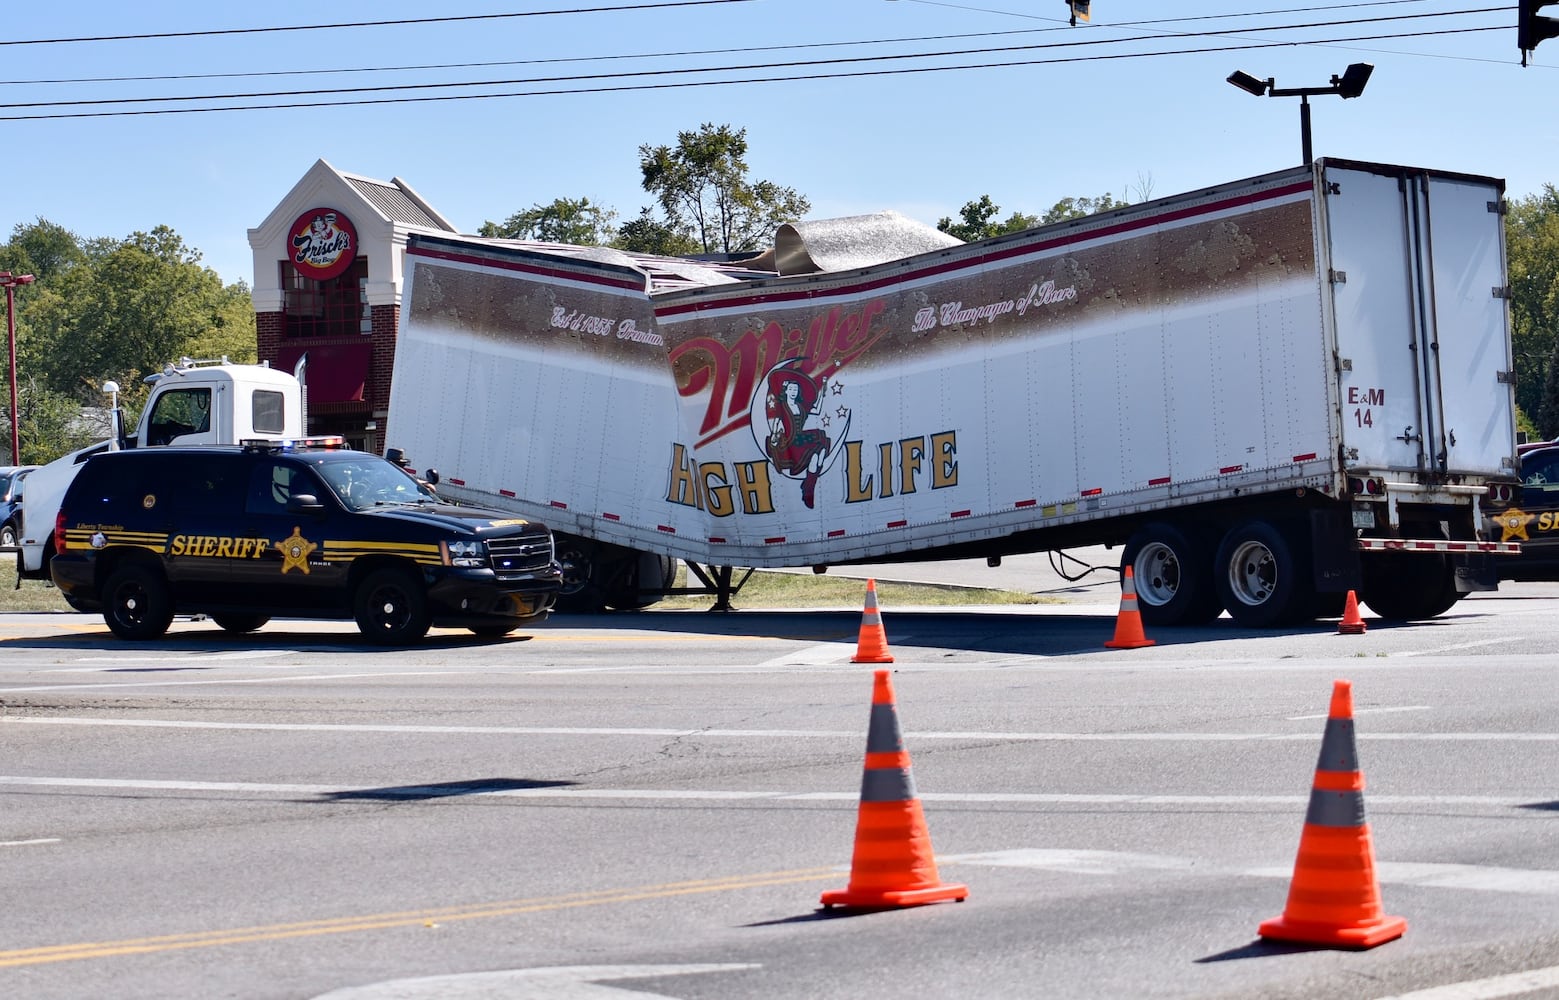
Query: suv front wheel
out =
(391, 608)
(136, 603)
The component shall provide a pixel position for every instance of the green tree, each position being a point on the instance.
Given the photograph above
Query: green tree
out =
(564, 220)
(1077, 208)
(112, 309)
(1532, 250)
(702, 187)
(978, 221)
(647, 234)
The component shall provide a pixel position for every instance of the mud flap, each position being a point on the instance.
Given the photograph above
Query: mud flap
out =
(1334, 554)
(1475, 572)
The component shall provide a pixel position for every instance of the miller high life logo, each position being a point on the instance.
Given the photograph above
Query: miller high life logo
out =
(324, 243)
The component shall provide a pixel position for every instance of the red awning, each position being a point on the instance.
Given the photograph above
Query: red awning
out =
(336, 373)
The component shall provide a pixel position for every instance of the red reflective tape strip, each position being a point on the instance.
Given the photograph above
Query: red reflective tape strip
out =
(458, 482)
(716, 540)
(774, 541)
(1091, 493)
(836, 533)
(1160, 481)
(1229, 468)
(960, 513)
(1305, 458)
(897, 524)
(668, 529)
(1026, 503)
(560, 505)
(510, 493)
(610, 516)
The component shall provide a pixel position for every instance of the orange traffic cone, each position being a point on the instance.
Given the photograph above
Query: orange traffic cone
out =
(1128, 624)
(1351, 623)
(892, 864)
(1334, 898)
(873, 644)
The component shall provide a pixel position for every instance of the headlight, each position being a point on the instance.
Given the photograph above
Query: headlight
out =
(470, 554)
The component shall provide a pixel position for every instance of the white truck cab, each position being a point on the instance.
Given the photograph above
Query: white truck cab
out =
(192, 402)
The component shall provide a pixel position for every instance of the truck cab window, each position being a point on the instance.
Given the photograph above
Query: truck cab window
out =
(180, 412)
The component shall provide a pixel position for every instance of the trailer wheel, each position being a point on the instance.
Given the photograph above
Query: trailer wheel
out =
(1400, 587)
(240, 622)
(581, 566)
(639, 581)
(1262, 576)
(1173, 575)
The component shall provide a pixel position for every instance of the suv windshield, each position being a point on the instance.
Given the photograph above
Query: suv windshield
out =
(363, 481)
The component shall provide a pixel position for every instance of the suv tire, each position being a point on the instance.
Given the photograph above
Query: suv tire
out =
(391, 608)
(136, 603)
(240, 622)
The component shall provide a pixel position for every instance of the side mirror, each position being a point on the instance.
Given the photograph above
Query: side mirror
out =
(432, 476)
(304, 503)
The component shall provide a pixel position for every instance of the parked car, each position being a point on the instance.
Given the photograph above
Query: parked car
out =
(291, 529)
(11, 477)
(1533, 519)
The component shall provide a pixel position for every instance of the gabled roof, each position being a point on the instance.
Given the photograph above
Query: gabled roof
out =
(397, 202)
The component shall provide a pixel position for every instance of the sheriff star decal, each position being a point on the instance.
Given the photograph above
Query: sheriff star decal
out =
(1513, 524)
(295, 551)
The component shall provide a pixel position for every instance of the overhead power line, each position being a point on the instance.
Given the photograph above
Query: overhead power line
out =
(652, 86)
(359, 24)
(740, 68)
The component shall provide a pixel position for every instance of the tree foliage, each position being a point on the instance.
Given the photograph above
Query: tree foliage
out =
(1532, 246)
(978, 218)
(110, 309)
(702, 187)
(564, 220)
(647, 234)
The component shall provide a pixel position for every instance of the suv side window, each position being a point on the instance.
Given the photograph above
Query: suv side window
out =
(272, 483)
(205, 486)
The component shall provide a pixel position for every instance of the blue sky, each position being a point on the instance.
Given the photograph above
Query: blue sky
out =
(1087, 113)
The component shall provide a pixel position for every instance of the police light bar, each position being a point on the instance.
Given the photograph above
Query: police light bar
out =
(291, 444)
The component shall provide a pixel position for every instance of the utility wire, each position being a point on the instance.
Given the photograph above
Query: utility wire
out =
(741, 68)
(359, 24)
(751, 80)
(676, 54)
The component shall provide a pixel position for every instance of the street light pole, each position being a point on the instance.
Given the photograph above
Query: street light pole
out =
(10, 282)
(1349, 84)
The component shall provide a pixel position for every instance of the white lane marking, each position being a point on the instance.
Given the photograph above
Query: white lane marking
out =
(717, 795)
(1461, 645)
(974, 735)
(29, 843)
(828, 652)
(1509, 985)
(1484, 878)
(118, 685)
(191, 656)
(1362, 711)
(577, 982)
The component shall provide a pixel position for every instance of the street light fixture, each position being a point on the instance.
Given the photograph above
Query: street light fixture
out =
(1350, 84)
(10, 281)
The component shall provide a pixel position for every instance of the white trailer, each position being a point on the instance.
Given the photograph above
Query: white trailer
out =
(1269, 392)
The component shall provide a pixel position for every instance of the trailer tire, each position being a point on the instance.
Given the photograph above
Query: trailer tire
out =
(640, 581)
(581, 595)
(1173, 574)
(1403, 588)
(1263, 575)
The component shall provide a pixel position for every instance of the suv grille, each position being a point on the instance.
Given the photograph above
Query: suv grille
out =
(517, 554)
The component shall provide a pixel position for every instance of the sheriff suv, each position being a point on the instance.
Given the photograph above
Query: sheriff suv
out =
(305, 530)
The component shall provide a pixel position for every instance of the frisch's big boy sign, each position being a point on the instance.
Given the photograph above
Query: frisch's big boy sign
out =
(324, 243)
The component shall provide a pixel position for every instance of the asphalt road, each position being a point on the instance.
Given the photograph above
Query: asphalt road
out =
(651, 805)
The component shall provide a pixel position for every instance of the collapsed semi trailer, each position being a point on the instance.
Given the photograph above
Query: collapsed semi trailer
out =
(1267, 393)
